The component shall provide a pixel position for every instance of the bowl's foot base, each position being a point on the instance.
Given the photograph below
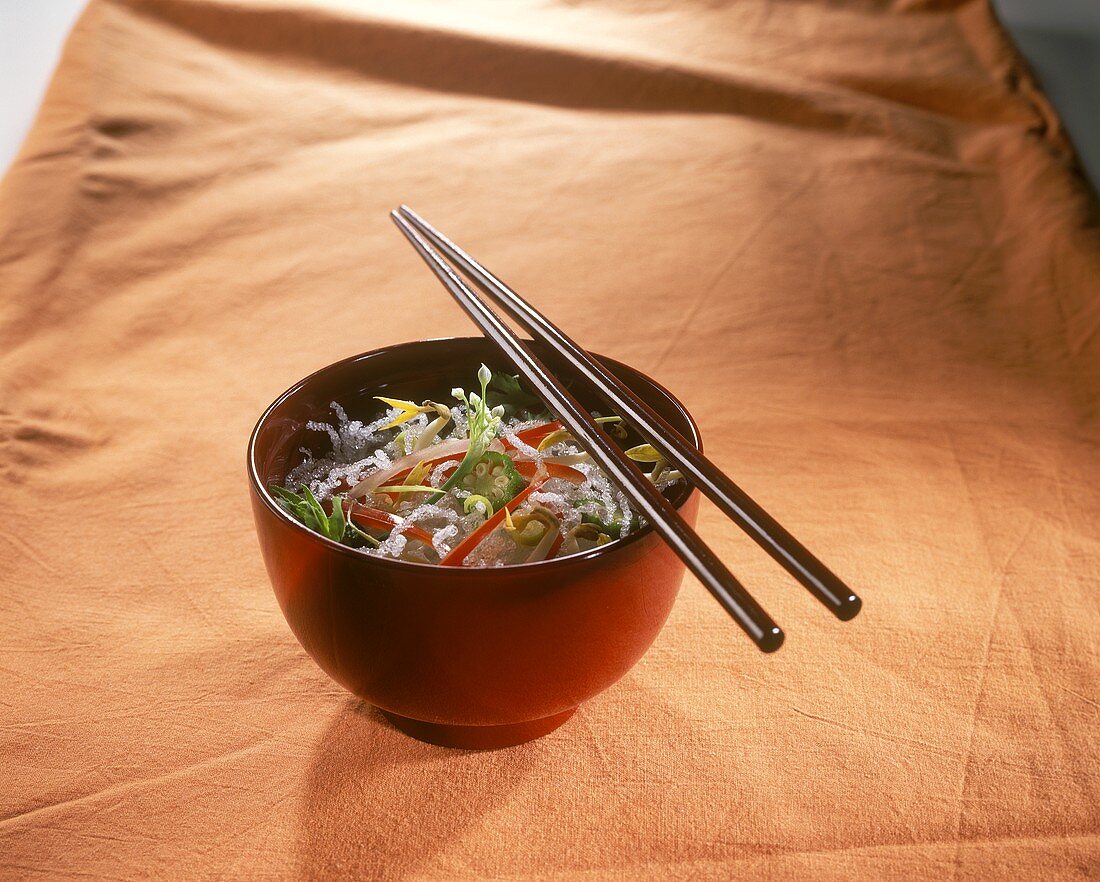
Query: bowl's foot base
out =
(478, 737)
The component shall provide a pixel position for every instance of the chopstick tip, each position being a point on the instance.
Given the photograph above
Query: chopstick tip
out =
(771, 641)
(850, 608)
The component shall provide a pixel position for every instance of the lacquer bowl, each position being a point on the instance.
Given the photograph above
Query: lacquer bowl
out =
(463, 657)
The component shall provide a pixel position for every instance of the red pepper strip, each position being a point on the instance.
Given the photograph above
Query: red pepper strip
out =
(458, 554)
(530, 469)
(377, 519)
(535, 434)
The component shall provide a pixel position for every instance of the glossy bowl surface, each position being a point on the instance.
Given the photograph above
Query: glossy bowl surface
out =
(474, 658)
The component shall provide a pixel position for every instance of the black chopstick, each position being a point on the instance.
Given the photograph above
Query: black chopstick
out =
(768, 533)
(618, 467)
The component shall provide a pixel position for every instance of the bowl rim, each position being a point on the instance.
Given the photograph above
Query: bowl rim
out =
(613, 547)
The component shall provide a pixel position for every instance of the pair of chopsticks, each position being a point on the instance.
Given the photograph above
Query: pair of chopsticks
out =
(647, 499)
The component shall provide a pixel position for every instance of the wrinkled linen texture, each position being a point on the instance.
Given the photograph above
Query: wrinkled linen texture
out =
(851, 236)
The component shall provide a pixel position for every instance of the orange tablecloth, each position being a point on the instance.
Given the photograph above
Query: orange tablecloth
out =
(850, 236)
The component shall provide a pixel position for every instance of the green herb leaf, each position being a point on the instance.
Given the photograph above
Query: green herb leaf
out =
(336, 523)
(511, 396)
(309, 511)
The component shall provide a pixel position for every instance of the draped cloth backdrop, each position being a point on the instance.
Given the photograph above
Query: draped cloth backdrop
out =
(851, 236)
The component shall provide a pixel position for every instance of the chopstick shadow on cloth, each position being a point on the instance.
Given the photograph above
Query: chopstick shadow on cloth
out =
(465, 63)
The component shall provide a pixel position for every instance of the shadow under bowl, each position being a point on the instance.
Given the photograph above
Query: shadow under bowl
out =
(463, 657)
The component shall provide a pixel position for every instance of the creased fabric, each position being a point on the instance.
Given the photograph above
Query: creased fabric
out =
(851, 236)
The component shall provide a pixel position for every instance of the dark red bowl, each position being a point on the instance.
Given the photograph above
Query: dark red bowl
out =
(473, 658)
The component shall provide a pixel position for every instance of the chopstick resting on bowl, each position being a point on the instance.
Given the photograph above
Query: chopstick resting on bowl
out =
(644, 495)
(741, 508)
